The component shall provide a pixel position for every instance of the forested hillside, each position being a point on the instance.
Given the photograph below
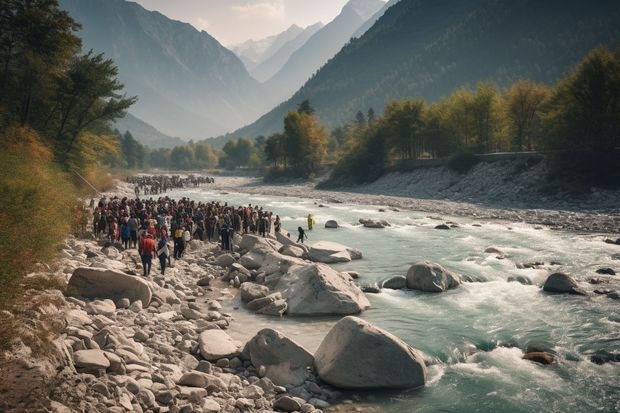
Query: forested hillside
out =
(426, 49)
(187, 83)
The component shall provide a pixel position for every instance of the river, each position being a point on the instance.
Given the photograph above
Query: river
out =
(472, 337)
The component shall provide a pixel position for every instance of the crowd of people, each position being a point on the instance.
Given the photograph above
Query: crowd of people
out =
(160, 184)
(151, 225)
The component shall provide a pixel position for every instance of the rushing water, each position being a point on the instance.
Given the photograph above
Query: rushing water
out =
(498, 317)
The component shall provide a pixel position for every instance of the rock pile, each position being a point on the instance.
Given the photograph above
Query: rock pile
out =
(159, 344)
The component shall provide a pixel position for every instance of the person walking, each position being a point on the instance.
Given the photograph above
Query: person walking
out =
(302, 235)
(147, 252)
(163, 252)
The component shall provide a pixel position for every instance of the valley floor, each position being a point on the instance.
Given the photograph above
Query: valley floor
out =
(500, 190)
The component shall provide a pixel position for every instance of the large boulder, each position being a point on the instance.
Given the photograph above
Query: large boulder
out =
(292, 251)
(331, 252)
(285, 361)
(562, 283)
(253, 259)
(216, 344)
(397, 282)
(101, 283)
(250, 241)
(317, 289)
(431, 277)
(357, 355)
(251, 291)
(331, 224)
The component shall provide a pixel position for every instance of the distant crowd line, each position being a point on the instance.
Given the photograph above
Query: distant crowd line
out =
(160, 184)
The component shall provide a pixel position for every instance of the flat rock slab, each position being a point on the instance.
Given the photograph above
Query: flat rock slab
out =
(91, 360)
(216, 344)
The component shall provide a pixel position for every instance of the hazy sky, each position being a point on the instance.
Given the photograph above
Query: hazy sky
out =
(234, 21)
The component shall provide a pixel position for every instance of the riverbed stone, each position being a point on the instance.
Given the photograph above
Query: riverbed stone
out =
(90, 360)
(431, 277)
(103, 283)
(317, 289)
(562, 283)
(397, 282)
(358, 355)
(331, 252)
(217, 344)
(285, 361)
(251, 291)
(330, 223)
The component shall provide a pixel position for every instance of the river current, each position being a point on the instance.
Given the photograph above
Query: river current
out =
(472, 337)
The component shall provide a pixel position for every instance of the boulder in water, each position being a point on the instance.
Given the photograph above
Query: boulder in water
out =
(317, 289)
(398, 282)
(431, 277)
(358, 355)
(562, 283)
(331, 224)
(331, 252)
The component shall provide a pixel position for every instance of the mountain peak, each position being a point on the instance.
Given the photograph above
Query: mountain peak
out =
(363, 8)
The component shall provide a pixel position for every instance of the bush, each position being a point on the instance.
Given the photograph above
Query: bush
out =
(35, 211)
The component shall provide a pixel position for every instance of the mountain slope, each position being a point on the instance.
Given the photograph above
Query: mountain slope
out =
(427, 48)
(146, 134)
(274, 62)
(254, 52)
(319, 48)
(187, 83)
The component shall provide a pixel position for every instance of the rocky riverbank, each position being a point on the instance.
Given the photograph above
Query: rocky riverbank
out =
(159, 343)
(507, 190)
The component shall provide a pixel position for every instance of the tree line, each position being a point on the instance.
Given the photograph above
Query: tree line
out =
(575, 124)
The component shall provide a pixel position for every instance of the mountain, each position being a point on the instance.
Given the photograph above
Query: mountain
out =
(187, 83)
(370, 22)
(253, 52)
(274, 62)
(146, 134)
(428, 48)
(319, 48)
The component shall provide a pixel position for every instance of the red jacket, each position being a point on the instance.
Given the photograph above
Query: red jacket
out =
(147, 246)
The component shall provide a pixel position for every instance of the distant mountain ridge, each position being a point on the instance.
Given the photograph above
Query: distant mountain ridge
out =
(428, 48)
(146, 134)
(253, 52)
(274, 62)
(319, 48)
(188, 84)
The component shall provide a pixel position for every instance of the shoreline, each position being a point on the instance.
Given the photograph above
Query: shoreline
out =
(585, 220)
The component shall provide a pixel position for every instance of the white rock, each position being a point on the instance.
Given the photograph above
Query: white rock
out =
(332, 252)
(216, 344)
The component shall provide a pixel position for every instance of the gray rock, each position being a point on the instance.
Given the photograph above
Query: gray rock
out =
(105, 307)
(225, 260)
(101, 283)
(358, 355)
(331, 224)
(292, 251)
(317, 289)
(288, 404)
(251, 291)
(562, 283)
(397, 282)
(285, 361)
(259, 303)
(216, 344)
(331, 252)
(203, 380)
(275, 308)
(431, 277)
(90, 360)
